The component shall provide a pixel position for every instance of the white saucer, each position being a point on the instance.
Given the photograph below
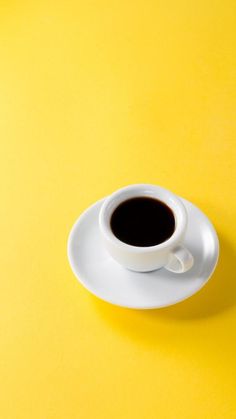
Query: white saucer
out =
(106, 279)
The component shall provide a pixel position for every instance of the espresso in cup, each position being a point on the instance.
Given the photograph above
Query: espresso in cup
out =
(143, 228)
(143, 222)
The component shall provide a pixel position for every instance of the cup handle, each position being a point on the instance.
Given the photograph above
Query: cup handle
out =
(180, 260)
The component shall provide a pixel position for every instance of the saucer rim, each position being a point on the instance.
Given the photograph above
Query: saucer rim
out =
(80, 277)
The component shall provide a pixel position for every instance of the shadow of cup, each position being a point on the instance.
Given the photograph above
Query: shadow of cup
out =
(218, 295)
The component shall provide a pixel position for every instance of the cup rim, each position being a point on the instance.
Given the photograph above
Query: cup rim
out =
(130, 191)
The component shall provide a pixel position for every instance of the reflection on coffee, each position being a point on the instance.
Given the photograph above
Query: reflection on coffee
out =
(143, 222)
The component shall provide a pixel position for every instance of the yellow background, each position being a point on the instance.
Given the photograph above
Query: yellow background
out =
(95, 95)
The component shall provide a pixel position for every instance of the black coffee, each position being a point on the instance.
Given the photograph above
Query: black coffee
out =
(143, 222)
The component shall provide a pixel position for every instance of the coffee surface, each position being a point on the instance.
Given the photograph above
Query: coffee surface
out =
(143, 222)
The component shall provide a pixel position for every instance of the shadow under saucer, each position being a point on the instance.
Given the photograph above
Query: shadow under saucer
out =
(218, 295)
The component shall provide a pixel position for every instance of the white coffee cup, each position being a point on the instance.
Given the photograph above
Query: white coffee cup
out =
(170, 254)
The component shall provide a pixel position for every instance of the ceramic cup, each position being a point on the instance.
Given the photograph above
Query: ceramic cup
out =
(170, 254)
